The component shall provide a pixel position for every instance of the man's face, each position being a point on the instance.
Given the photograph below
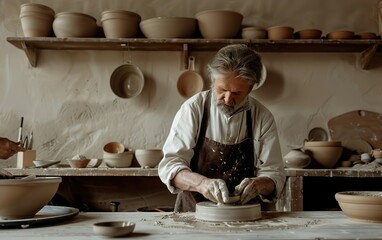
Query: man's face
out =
(230, 92)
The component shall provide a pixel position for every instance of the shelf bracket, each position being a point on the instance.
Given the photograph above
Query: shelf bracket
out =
(31, 54)
(185, 56)
(366, 56)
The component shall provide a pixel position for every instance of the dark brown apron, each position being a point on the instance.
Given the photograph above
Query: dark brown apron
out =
(230, 162)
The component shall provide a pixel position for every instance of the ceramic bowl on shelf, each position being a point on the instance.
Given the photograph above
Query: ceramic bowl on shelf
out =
(23, 199)
(148, 157)
(366, 35)
(253, 33)
(114, 228)
(362, 206)
(340, 35)
(74, 24)
(325, 153)
(120, 23)
(219, 23)
(168, 27)
(36, 20)
(280, 32)
(308, 34)
(118, 160)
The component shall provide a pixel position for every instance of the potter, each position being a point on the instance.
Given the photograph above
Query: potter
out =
(223, 141)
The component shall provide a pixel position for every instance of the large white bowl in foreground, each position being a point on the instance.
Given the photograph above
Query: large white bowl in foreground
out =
(23, 198)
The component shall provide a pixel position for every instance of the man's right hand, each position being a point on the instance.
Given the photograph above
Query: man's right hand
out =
(8, 148)
(215, 190)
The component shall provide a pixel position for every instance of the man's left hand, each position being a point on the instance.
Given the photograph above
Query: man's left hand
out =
(250, 188)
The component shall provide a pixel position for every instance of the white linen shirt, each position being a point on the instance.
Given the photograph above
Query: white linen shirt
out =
(178, 148)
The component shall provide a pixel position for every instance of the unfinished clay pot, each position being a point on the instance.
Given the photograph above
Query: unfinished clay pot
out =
(363, 206)
(120, 23)
(326, 156)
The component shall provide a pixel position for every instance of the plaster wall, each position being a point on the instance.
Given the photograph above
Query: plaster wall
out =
(67, 102)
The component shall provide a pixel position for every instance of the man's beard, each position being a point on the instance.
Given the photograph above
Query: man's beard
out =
(227, 109)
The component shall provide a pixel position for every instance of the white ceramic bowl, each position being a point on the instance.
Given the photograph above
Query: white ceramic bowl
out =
(114, 228)
(148, 157)
(219, 23)
(168, 27)
(120, 23)
(363, 206)
(20, 198)
(118, 160)
(73, 24)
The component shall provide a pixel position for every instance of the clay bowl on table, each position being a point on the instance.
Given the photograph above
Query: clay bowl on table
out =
(118, 160)
(78, 163)
(114, 147)
(20, 198)
(340, 35)
(363, 206)
(120, 23)
(308, 34)
(114, 228)
(73, 24)
(36, 20)
(168, 27)
(253, 33)
(148, 157)
(219, 23)
(280, 32)
(326, 153)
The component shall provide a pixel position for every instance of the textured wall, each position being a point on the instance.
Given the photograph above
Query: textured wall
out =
(67, 102)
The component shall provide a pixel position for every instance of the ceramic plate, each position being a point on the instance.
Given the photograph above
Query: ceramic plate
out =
(47, 215)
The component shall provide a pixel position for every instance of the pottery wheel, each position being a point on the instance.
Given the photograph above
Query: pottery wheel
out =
(210, 211)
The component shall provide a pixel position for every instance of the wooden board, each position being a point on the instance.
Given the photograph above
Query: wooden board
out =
(359, 130)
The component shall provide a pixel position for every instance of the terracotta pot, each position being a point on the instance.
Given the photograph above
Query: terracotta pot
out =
(72, 24)
(120, 23)
(309, 34)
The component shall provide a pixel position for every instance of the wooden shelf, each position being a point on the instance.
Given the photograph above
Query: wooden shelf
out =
(88, 172)
(31, 46)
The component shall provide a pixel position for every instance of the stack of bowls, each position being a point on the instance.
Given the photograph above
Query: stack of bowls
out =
(36, 20)
(219, 23)
(325, 153)
(120, 23)
(114, 155)
(168, 27)
(73, 24)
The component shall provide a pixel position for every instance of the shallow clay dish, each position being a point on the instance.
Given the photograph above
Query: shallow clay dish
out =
(114, 228)
(209, 211)
(364, 206)
(127, 81)
(169, 27)
(219, 23)
(340, 35)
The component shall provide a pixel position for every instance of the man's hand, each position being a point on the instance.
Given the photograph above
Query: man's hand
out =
(250, 188)
(215, 190)
(8, 148)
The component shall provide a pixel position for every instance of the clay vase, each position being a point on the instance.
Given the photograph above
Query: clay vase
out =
(296, 159)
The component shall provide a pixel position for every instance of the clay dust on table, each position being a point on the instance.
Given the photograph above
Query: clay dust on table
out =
(269, 221)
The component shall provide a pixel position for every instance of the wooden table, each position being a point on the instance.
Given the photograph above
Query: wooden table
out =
(169, 226)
